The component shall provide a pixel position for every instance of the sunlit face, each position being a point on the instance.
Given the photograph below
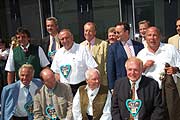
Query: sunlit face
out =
(49, 79)
(66, 39)
(178, 27)
(51, 27)
(134, 70)
(89, 32)
(121, 34)
(152, 38)
(26, 76)
(142, 29)
(94, 80)
(112, 37)
(23, 39)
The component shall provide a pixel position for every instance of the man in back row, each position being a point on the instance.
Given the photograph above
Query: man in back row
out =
(25, 53)
(97, 48)
(71, 61)
(119, 52)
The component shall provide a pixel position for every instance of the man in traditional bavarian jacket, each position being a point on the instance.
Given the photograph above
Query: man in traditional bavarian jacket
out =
(25, 53)
(92, 101)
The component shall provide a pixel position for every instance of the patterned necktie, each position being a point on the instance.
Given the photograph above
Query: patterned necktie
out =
(133, 90)
(28, 97)
(128, 50)
(53, 47)
(89, 46)
(133, 96)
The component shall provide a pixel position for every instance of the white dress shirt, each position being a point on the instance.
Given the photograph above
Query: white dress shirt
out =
(19, 110)
(42, 57)
(166, 53)
(78, 57)
(76, 109)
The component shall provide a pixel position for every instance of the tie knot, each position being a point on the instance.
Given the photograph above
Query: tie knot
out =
(25, 49)
(27, 86)
(133, 84)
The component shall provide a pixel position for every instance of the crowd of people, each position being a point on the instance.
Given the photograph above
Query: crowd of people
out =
(115, 79)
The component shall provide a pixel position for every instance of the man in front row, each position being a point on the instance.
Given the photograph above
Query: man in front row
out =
(54, 100)
(18, 96)
(92, 101)
(146, 91)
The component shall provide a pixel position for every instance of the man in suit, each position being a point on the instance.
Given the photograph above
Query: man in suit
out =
(175, 40)
(119, 52)
(92, 101)
(54, 100)
(25, 53)
(146, 90)
(14, 96)
(51, 43)
(98, 49)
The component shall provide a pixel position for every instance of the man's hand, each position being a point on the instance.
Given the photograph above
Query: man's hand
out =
(148, 64)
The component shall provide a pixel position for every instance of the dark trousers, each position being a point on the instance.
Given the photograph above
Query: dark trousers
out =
(75, 87)
(90, 117)
(19, 118)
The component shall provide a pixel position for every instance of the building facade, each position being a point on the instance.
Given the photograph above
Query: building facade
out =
(72, 14)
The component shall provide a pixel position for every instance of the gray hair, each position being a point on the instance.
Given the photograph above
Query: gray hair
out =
(29, 66)
(89, 72)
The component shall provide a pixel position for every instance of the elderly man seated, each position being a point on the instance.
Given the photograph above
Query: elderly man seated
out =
(16, 98)
(92, 101)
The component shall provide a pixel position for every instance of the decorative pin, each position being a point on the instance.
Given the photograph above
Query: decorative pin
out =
(29, 107)
(133, 106)
(51, 112)
(65, 70)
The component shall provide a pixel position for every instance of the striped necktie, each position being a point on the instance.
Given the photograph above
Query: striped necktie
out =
(53, 47)
(28, 97)
(128, 50)
(133, 96)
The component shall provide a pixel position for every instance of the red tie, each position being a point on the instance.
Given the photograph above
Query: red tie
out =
(25, 49)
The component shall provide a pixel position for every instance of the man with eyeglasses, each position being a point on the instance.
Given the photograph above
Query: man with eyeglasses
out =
(71, 61)
(119, 52)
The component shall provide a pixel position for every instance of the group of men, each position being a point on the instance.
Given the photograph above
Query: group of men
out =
(83, 78)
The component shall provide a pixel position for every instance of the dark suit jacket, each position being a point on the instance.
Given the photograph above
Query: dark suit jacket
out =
(116, 61)
(45, 44)
(148, 92)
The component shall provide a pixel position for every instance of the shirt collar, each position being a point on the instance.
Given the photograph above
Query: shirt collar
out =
(92, 41)
(95, 91)
(27, 46)
(22, 85)
(71, 49)
(137, 82)
(129, 42)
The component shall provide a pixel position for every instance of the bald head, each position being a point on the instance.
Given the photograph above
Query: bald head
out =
(48, 78)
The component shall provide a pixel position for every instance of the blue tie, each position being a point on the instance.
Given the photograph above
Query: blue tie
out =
(29, 97)
(53, 48)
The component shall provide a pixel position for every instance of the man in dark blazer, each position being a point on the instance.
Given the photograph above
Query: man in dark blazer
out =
(146, 90)
(117, 54)
(47, 42)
